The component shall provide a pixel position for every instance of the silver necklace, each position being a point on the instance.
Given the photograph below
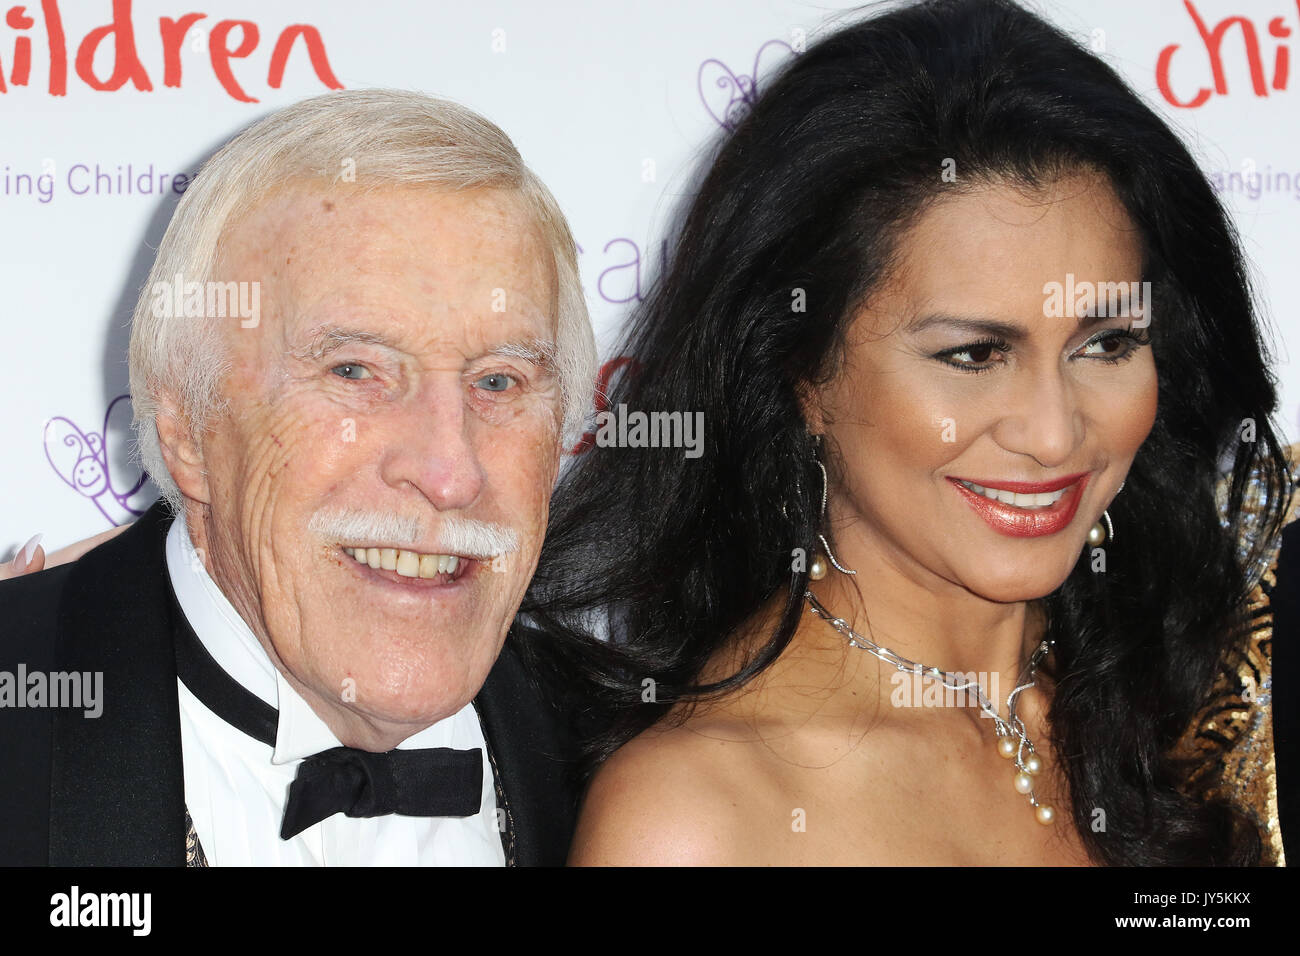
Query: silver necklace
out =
(1012, 741)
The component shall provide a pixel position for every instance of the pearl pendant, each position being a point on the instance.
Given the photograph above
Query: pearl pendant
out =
(1007, 746)
(1033, 763)
(1024, 782)
(1097, 534)
(1045, 814)
(817, 569)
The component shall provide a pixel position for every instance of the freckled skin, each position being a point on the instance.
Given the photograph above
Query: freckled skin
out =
(419, 268)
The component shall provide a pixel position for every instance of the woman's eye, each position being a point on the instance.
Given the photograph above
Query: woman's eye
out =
(351, 371)
(496, 382)
(1112, 344)
(975, 357)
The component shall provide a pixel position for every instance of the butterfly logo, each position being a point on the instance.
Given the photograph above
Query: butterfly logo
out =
(83, 461)
(727, 95)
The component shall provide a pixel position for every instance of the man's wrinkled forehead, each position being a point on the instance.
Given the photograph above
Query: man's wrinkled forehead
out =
(418, 268)
(316, 329)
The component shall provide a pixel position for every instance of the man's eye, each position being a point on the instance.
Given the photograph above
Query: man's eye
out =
(351, 371)
(496, 382)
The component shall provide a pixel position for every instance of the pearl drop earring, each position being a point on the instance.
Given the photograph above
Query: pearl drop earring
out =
(1097, 534)
(817, 568)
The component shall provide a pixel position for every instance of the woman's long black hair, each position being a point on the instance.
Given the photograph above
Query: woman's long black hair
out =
(811, 191)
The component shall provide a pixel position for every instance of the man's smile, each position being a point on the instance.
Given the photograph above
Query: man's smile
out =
(410, 568)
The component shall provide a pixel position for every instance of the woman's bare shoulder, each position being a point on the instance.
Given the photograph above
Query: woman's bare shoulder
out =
(674, 795)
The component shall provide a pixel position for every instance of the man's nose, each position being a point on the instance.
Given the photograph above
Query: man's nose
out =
(1041, 417)
(432, 449)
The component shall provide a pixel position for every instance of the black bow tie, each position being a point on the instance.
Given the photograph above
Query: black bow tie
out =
(438, 782)
(435, 782)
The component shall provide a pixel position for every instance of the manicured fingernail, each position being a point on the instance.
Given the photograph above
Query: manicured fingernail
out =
(29, 550)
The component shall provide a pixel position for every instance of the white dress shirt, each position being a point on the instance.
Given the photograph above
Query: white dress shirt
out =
(236, 786)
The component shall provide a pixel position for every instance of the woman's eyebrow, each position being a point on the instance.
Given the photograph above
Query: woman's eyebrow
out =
(991, 327)
(995, 327)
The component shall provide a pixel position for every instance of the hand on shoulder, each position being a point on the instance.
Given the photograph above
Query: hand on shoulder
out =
(31, 557)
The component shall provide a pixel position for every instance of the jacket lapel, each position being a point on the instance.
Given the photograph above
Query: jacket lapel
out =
(532, 756)
(117, 794)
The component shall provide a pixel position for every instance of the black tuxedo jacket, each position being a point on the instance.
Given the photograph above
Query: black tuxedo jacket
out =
(109, 791)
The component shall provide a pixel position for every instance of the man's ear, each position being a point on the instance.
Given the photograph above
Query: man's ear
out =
(181, 451)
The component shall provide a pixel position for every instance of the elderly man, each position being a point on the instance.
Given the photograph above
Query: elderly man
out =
(353, 368)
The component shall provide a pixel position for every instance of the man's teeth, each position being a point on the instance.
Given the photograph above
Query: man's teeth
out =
(1043, 500)
(408, 564)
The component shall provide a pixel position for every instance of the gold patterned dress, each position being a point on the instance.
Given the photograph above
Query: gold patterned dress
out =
(1231, 739)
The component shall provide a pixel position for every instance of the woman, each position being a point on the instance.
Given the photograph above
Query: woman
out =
(929, 449)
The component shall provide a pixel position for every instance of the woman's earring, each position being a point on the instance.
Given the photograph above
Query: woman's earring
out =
(817, 569)
(1097, 534)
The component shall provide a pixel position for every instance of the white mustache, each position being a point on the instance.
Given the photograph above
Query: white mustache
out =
(455, 535)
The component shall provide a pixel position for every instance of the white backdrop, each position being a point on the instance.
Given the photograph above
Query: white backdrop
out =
(611, 103)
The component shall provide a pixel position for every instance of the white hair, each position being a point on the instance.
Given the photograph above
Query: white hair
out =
(368, 138)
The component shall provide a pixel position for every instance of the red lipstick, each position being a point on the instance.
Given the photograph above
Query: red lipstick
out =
(1026, 522)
